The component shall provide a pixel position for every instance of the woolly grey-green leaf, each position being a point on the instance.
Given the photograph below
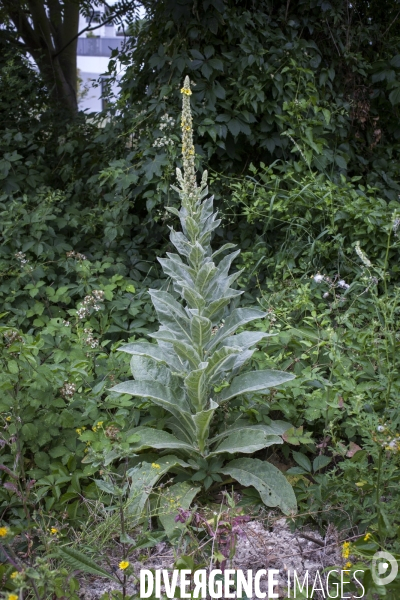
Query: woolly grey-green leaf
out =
(272, 485)
(254, 381)
(246, 441)
(158, 439)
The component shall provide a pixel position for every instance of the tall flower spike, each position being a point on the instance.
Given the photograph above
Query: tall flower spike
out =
(189, 172)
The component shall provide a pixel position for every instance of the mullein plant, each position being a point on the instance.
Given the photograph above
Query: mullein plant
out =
(196, 365)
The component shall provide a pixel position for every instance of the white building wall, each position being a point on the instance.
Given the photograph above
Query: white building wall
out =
(94, 51)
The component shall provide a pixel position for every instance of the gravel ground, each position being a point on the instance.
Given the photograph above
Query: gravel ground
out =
(258, 547)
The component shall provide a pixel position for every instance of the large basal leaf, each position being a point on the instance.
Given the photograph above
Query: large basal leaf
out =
(158, 439)
(246, 441)
(176, 496)
(160, 394)
(80, 562)
(145, 476)
(274, 428)
(270, 483)
(254, 381)
(238, 317)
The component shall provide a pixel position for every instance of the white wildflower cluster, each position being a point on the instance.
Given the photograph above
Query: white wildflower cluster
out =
(167, 122)
(89, 339)
(271, 315)
(21, 257)
(11, 336)
(341, 283)
(90, 302)
(389, 440)
(163, 142)
(363, 257)
(66, 323)
(68, 390)
(76, 255)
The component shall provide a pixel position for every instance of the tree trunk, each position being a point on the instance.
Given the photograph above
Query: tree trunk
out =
(47, 37)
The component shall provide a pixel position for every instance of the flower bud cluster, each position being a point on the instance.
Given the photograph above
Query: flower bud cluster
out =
(89, 339)
(21, 257)
(90, 302)
(76, 255)
(11, 336)
(68, 390)
(163, 142)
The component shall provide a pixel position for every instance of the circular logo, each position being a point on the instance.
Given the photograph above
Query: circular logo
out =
(384, 568)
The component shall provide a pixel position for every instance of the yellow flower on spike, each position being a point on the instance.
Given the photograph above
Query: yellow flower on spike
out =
(186, 91)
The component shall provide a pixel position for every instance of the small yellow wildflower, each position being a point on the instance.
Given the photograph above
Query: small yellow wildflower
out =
(78, 431)
(54, 530)
(367, 536)
(12, 597)
(346, 550)
(94, 429)
(187, 128)
(14, 574)
(124, 564)
(155, 466)
(186, 91)
(348, 564)
(8, 418)
(4, 531)
(100, 423)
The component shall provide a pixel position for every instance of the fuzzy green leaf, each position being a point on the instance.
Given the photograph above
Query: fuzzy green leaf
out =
(158, 439)
(238, 317)
(246, 441)
(254, 381)
(271, 484)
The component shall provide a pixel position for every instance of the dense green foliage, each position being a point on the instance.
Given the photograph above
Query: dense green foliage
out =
(271, 81)
(295, 110)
